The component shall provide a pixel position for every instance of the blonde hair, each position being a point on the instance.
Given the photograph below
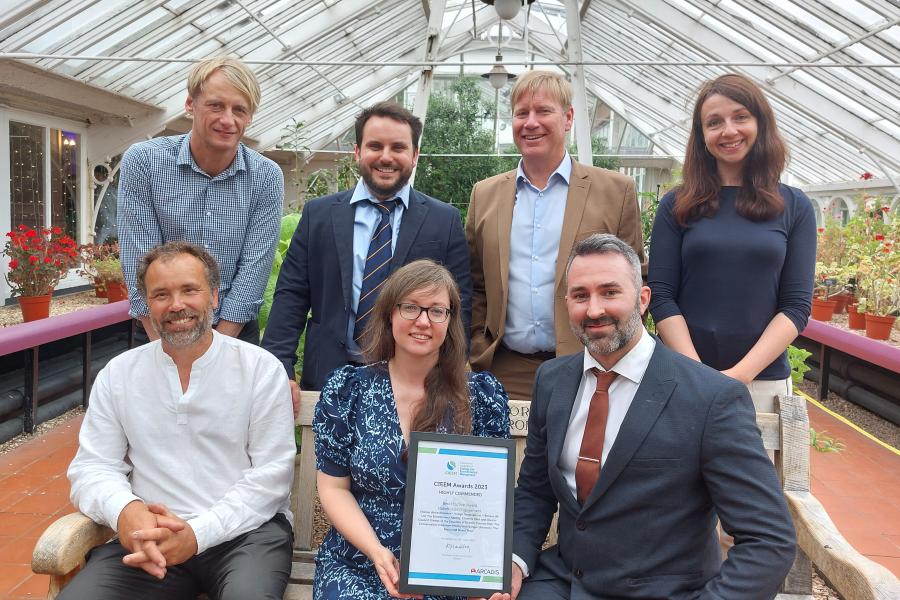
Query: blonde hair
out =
(238, 74)
(554, 84)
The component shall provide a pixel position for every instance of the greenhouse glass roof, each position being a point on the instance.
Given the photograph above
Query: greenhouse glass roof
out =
(831, 68)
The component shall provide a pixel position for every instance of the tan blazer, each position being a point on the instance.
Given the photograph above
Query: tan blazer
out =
(599, 201)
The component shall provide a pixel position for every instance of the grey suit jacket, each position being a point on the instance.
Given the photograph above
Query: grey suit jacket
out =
(688, 449)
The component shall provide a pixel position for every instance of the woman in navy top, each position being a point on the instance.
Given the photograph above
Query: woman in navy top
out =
(417, 382)
(732, 253)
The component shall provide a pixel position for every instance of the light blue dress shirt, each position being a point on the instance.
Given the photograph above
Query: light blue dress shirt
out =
(366, 218)
(533, 248)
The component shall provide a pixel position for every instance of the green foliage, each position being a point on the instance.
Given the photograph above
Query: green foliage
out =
(823, 442)
(649, 323)
(598, 146)
(797, 360)
(649, 203)
(289, 224)
(454, 125)
(343, 176)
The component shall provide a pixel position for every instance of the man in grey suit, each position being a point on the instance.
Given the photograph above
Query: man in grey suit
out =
(641, 448)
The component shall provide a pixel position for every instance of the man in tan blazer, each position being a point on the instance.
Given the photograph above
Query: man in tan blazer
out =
(521, 227)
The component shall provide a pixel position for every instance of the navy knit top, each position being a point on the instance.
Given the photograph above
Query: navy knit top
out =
(729, 276)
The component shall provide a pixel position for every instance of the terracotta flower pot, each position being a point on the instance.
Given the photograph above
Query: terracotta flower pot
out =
(116, 291)
(879, 328)
(842, 299)
(822, 310)
(100, 289)
(855, 319)
(35, 307)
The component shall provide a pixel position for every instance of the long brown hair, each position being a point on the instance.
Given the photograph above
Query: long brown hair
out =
(446, 386)
(758, 199)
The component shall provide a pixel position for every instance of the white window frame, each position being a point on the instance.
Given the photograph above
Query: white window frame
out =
(84, 200)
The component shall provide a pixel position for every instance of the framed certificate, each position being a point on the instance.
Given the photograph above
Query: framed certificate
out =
(457, 517)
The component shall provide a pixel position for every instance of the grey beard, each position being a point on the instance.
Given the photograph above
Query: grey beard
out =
(618, 340)
(181, 339)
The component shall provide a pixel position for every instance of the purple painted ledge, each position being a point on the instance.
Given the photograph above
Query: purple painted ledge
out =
(873, 351)
(28, 335)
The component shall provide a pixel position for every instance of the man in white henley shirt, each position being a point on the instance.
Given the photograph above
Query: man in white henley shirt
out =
(187, 450)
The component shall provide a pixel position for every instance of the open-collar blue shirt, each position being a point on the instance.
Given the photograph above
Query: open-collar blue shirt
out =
(533, 248)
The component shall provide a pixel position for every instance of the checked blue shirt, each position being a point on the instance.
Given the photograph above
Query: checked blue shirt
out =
(236, 215)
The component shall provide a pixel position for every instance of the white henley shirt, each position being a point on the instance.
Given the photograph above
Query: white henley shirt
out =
(220, 455)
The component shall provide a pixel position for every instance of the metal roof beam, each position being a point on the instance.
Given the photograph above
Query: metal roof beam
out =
(579, 96)
(802, 99)
(620, 83)
(360, 87)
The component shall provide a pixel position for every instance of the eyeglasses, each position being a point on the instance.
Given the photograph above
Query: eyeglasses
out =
(436, 314)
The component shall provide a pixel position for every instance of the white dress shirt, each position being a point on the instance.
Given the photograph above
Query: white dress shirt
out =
(220, 455)
(630, 369)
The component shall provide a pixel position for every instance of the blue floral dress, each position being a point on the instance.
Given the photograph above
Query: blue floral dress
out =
(358, 435)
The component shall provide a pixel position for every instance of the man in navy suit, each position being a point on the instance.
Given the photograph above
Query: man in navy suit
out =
(322, 279)
(641, 448)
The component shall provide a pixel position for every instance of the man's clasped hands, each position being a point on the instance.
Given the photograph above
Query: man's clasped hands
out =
(155, 537)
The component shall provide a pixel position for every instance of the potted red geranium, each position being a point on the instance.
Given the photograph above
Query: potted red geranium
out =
(38, 259)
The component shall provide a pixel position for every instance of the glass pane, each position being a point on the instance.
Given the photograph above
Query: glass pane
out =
(106, 194)
(26, 169)
(64, 175)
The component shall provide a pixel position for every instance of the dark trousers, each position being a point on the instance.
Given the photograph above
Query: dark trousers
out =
(250, 333)
(254, 565)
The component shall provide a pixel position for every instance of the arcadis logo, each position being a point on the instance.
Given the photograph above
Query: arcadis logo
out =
(484, 571)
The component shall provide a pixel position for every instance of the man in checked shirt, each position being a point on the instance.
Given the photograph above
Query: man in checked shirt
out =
(209, 189)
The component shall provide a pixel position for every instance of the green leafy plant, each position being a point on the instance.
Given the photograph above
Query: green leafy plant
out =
(455, 125)
(110, 270)
(649, 203)
(289, 224)
(327, 180)
(823, 442)
(91, 256)
(797, 360)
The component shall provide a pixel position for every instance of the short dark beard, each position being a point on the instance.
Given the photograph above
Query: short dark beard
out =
(620, 337)
(383, 193)
(181, 339)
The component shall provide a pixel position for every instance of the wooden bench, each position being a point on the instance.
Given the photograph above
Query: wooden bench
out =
(62, 547)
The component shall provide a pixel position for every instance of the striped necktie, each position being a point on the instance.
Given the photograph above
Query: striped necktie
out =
(378, 266)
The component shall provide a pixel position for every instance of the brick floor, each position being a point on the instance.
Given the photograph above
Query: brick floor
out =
(860, 488)
(33, 493)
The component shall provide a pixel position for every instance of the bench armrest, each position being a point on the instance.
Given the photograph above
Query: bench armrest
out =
(853, 575)
(63, 545)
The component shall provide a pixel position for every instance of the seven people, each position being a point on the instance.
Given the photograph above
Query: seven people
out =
(187, 449)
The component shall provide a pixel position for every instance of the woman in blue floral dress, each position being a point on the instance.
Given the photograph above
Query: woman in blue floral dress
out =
(417, 381)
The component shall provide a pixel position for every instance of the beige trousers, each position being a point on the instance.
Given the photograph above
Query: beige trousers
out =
(764, 392)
